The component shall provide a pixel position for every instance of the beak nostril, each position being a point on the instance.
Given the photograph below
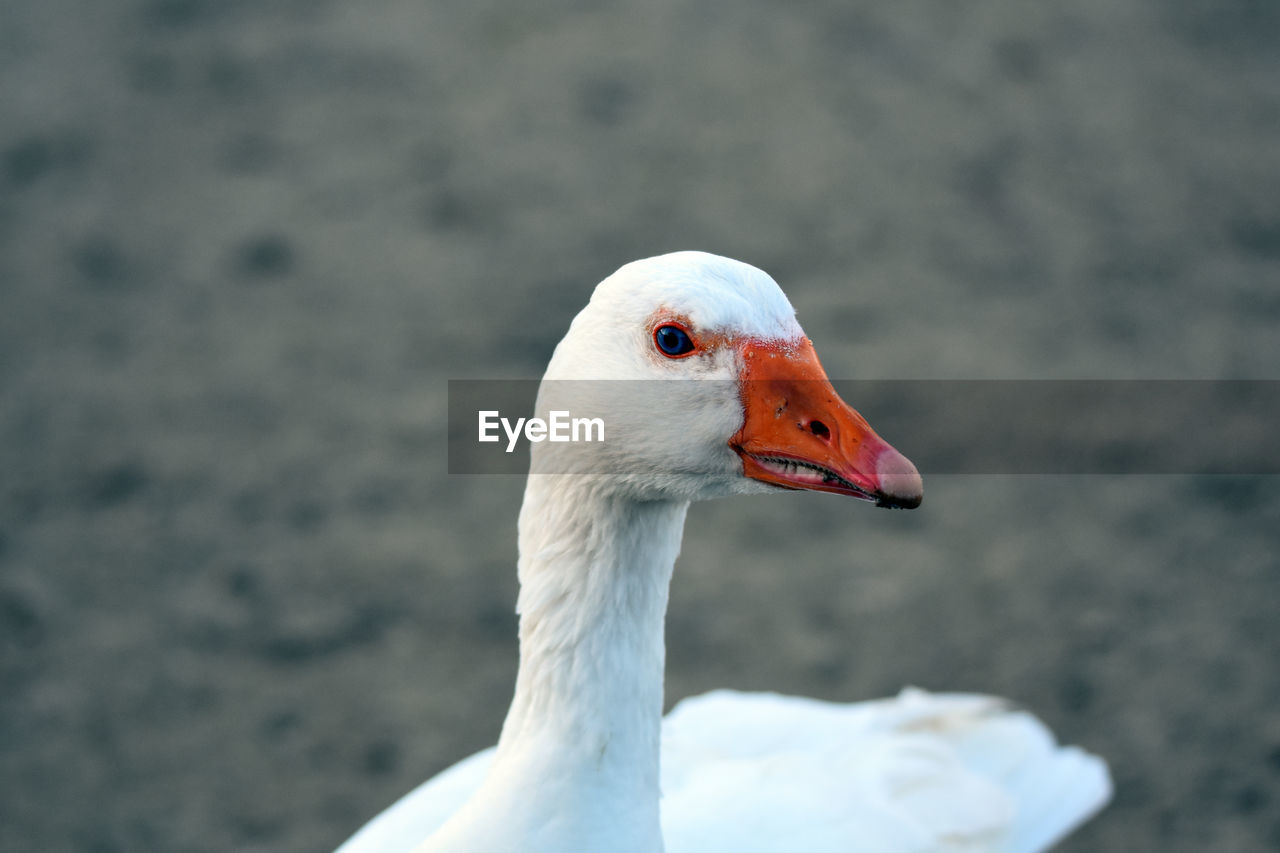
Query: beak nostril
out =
(819, 429)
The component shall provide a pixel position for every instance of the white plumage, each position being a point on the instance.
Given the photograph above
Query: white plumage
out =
(764, 773)
(577, 767)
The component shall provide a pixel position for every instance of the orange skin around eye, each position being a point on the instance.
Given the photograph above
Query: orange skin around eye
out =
(701, 342)
(682, 327)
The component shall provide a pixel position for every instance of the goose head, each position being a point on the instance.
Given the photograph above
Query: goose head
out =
(708, 386)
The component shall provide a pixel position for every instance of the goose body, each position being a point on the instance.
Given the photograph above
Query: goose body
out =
(585, 761)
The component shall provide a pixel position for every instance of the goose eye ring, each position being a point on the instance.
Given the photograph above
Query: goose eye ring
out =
(673, 341)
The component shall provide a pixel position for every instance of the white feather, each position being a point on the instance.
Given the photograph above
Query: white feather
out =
(762, 772)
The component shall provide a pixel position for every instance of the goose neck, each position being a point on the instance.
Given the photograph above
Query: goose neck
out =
(595, 568)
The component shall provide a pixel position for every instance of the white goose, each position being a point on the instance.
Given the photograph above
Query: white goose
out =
(577, 765)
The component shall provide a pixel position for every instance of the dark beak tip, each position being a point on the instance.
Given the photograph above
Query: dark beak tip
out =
(888, 501)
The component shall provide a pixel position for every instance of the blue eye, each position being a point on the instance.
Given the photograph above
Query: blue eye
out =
(672, 341)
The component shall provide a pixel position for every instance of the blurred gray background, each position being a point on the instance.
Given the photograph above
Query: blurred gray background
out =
(244, 245)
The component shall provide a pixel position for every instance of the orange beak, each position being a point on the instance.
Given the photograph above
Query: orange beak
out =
(797, 433)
